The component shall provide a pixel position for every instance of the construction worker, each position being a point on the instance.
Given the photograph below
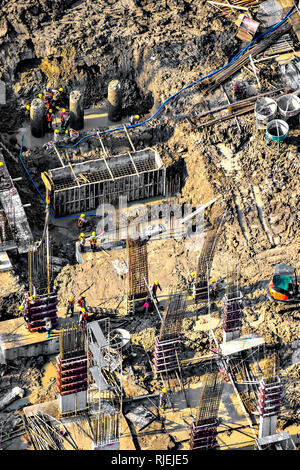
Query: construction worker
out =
(25, 313)
(82, 301)
(26, 108)
(49, 120)
(70, 307)
(213, 287)
(163, 399)
(81, 221)
(48, 327)
(56, 137)
(83, 318)
(93, 241)
(73, 134)
(47, 98)
(63, 117)
(2, 174)
(57, 95)
(191, 278)
(133, 119)
(155, 286)
(82, 242)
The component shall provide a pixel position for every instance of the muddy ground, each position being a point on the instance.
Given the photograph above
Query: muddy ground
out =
(155, 48)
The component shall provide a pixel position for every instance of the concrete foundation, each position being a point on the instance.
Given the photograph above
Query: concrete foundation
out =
(76, 110)
(37, 118)
(73, 402)
(17, 342)
(230, 335)
(5, 264)
(114, 97)
(267, 426)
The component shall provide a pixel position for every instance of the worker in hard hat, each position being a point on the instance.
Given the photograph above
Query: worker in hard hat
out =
(133, 119)
(40, 96)
(81, 222)
(154, 288)
(82, 301)
(82, 242)
(2, 174)
(213, 287)
(63, 117)
(49, 119)
(93, 241)
(191, 278)
(73, 134)
(48, 327)
(56, 137)
(70, 307)
(163, 399)
(83, 318)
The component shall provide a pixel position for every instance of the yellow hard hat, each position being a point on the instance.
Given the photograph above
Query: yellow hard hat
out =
(82, 215)
(50, 111)
(164, 390)
(71, 298)
(137, 116)
(63, 111)
(56, 131)
(156, 283)
(21, 307)
(40, 95)
(30, 298)
(212, 280)
(60, 89)
(94, 234)
(82, 235)
(83, 295)
(82, 309)
(1, 163)
(67, 132)
(193, 274)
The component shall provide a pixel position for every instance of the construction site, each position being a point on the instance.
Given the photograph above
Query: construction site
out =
(149, 225)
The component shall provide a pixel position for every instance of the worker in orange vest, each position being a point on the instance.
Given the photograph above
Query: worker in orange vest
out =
(82, 301)
(83, 318)
(81, 221)
(49, 120)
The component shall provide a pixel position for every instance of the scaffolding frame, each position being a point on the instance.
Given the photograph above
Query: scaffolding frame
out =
(105, 393)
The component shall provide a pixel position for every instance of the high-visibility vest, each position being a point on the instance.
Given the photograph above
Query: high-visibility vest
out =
(94, 240)
(49, 117)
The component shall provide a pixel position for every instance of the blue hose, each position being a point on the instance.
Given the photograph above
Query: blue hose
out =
(184, 88)
(289, 13)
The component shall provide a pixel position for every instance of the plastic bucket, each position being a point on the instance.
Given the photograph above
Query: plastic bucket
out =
(265, 109)
(277, 130)
(288, 105)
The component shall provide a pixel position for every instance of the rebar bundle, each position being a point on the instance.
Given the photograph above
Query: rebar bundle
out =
(206, 256)
(253, 51)
(137, 268)
(209, 401)
(40, 271)
(105, 428)
(172, 321)
(43, 435)
(71, 342)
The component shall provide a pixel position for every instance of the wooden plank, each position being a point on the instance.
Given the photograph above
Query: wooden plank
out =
(128, 137)
(105, 155)
(134, 164)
